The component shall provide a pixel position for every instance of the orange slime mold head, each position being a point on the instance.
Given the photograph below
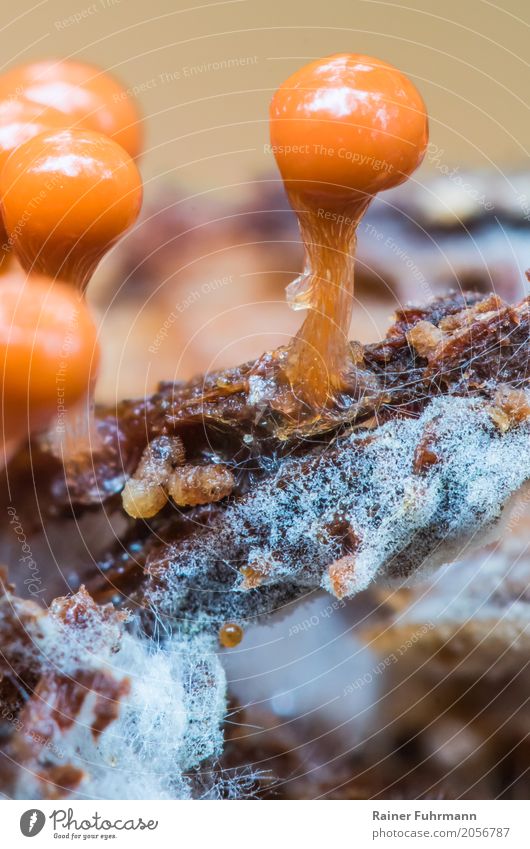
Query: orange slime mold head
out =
(346, 125)
(342, 129)
(87, 96)
(67, 197)
(48, 351)
(20, 120)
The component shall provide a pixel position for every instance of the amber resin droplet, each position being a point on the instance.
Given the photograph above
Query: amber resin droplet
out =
(230, 635)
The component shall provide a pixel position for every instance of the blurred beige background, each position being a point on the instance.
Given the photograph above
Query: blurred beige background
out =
(204, 72)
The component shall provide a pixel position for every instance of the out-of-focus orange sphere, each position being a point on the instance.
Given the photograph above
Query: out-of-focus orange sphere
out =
(347, 124)
(89, 97)
(66, 198)
(49, 352)
(22, 119)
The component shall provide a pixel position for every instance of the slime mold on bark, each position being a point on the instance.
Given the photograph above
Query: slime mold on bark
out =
(227, 511)
(342, 129)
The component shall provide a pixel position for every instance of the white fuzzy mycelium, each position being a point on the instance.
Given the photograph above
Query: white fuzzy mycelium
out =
(167, 724)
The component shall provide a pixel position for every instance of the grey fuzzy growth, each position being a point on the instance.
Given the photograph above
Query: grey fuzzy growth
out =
(402, 520)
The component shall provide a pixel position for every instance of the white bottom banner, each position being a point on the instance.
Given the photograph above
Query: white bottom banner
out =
(237, 823)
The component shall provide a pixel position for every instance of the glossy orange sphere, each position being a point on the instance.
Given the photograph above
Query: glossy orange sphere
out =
(347, 124)
(230, 635)
(89, 97)
(22, 119)
(48, 350)
(66, 198)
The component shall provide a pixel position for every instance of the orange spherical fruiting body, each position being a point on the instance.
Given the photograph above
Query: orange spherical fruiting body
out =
(230, 635)
(342, 128)
(67, 197)
(20, 120)
(88, 97)
(49, 352)
(347, 125)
